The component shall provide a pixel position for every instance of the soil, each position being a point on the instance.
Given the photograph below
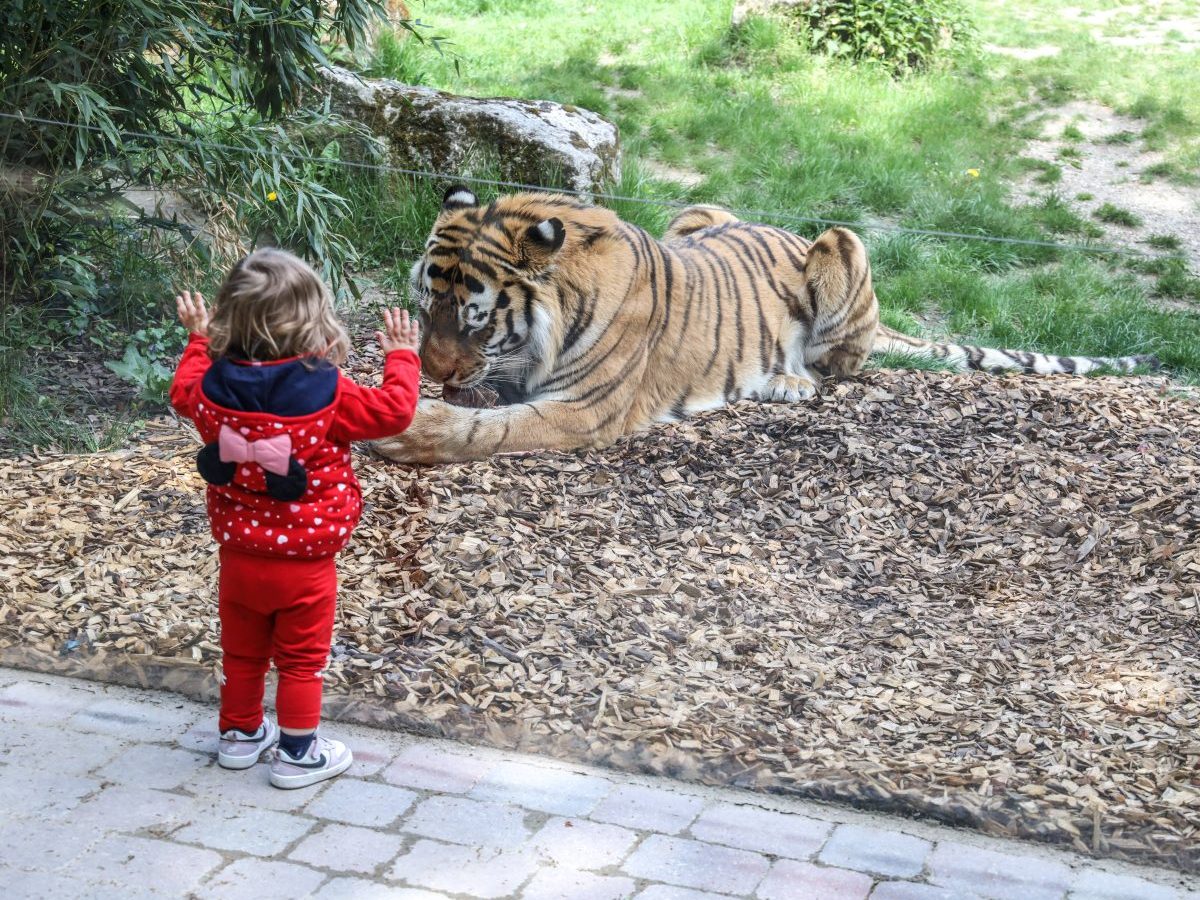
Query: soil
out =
(1114, 171)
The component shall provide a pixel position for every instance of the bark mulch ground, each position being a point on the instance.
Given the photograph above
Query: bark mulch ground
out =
(973, 598)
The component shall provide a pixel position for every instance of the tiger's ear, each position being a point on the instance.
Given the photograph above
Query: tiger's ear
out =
(540, 243)
(459, 197)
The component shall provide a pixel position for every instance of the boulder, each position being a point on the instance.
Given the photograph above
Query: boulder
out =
(527, 141)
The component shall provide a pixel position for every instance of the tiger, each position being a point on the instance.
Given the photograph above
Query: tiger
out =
(587, 328)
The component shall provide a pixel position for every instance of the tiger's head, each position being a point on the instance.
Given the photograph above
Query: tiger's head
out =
(483, 284)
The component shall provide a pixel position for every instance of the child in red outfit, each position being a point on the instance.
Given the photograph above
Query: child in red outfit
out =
(261, 382)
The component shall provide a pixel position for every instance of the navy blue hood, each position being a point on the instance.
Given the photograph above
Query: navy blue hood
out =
(292, 388)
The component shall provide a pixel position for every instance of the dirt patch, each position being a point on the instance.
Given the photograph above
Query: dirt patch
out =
(1108, 163)
(665, 172)
(1137, 25)
(973, 598)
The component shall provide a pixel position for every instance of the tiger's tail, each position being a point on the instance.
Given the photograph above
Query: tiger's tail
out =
(964, 358)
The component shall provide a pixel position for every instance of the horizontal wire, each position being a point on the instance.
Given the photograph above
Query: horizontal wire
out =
(670, 204)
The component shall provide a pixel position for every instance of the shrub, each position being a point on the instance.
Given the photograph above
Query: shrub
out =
(902, 34)
(218, 103)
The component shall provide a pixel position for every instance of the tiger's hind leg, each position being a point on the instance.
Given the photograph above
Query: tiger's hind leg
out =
(696, 218)
(845, 313)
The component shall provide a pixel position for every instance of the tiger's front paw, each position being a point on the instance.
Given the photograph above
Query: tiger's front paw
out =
(789, 389)
(429, 438)
(398, 448)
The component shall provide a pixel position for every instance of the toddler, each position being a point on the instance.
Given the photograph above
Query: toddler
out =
(260, 379)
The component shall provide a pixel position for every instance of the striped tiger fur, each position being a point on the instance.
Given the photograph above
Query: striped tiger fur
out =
(588, 328)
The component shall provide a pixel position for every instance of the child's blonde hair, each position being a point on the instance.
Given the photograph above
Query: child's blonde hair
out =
(272, 306)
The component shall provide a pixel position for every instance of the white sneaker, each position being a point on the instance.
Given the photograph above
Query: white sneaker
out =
(324, 759)
(238, 750)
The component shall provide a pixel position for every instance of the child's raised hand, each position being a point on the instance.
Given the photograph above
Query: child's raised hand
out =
(401, 332)
(192, 312)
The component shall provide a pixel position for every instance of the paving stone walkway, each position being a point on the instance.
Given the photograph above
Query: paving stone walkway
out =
(111, 792)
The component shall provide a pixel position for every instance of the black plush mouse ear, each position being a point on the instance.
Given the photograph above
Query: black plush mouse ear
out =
(290, 486)
(210, 467)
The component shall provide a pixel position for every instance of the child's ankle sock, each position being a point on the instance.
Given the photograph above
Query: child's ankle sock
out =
(296, 745)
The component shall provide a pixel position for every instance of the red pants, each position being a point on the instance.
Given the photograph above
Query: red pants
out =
(281, 609)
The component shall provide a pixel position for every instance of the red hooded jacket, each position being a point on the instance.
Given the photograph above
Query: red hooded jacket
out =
(310, 412)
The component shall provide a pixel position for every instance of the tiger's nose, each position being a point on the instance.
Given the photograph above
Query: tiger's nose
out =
(439, 368)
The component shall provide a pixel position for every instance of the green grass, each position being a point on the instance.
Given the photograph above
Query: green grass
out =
(898, 360)
(1116, 215)
(1172, 172)
(1122, 137)
(1047, 172)
(1172, 278)
(770, 127)
(1164, 242)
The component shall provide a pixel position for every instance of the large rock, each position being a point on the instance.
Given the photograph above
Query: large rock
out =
(526, 141)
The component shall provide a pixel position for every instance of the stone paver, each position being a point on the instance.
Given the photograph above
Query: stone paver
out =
(133, 805)
(130, 720)
(42, 748)
(200, 738)
(555, 884)
(370, 756)
(1108, 886)
(908, 890)
(696, 864)
(429, 767)
(348, 848)
(48, 886)
(791, 880)
(151, 867)
(262, 832)
(750, 828)
(152, 766)
(998, 875)
(122, 808)
(674, 892)
(51, 847)
(480, 872)
(42, 794)
(648, 808)
(875, 850)
(361, 803)
(254, 879)
(582, 844)
(361, 889)
(39, 701)
(216, 786)
(549, 790)
(478, 823)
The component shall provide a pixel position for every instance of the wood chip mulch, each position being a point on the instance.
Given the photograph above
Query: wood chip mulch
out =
(973, 598)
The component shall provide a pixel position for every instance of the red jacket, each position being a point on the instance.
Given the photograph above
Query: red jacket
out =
(320, 411)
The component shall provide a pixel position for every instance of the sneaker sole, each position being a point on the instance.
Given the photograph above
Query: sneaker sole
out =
(245, 762)
(290, 782)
